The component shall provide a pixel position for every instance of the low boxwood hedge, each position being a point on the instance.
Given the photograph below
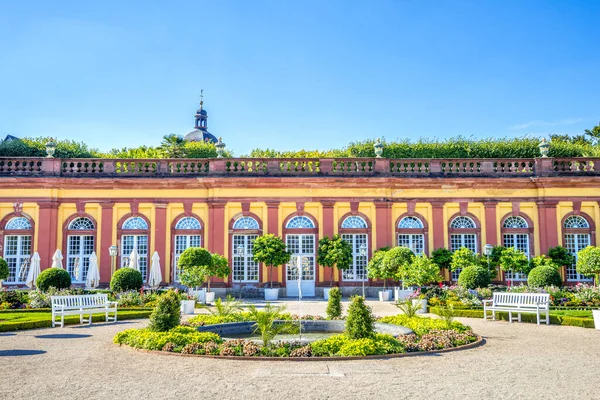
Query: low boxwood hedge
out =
(554, 319)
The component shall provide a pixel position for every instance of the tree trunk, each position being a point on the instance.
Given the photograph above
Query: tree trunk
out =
(331, 277)
(270, 275)
(208, 285)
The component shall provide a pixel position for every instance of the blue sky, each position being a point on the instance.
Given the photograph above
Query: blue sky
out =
(298, 74)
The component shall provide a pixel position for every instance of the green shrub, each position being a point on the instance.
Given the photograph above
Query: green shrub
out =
(53, 277)
(423, 325)
(360, 321)
(544, 276)
(151, 340)
(334, 304)
(166, 314)
(4, 272)
(14, 298)
(126, 279)
(474, 276)
(334, 252)
(330, 346)
(342, 345)
(588, 262)
(360, 347)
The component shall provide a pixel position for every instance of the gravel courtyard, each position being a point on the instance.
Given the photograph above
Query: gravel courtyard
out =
(518, 361)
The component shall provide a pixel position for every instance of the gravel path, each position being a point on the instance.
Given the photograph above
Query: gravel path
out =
(518, 361)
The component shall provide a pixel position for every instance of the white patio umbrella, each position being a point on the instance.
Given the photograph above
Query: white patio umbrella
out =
(155, 276)
(34, 270)
(134, 260)
(93, 275)
(57, 259)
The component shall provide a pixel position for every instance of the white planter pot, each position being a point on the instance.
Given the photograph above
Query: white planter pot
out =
(326, 293)
(596, 314)
(210, 297)
(271, 294)
(423, 303)
(200, 295)
(401, 294)
(187, 306)
(384, 295)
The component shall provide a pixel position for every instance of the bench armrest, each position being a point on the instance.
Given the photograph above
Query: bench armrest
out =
(108, 303)
(486, 302)
(58, 306)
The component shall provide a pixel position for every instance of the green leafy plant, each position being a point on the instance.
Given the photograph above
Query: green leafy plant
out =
(268, 322)
(166, 314)
(419, 271)
(442, 257)
(447, 314)
(474, 276)
(4, 272)
(226, 308)
(463, 258)
(513, 260)
(375, 263)
(218, 268)
(198, 266)
(544, 275)
(270, 250)
(53, 277)
(334, 304)
(409, 308)
(560, 256)
(193, 276)
(588, 262)
(334, 252)
(393, 260)
(360, 321)
(126, 279)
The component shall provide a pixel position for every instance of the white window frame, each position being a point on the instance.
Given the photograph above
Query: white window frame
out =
(246, 260)
(81, 259)
(577, 246)
(22, 261)
(143, 257)
(513, 238)
(352, 274)
(311, 256)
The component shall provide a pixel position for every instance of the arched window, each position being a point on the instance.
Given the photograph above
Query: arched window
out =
(463, 233)
(354, 230)
(186, 233)
(244, 268)
(81, 234)
(576, 236)
(300, 222)
(245, 223)
(516, 234)
(134, 235)
(18, 233)
(411, 234)
(300, 237)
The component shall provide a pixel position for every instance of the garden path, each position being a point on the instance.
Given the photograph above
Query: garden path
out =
(518, 361)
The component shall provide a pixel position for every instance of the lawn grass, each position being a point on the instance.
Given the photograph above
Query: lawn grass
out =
(12, 320)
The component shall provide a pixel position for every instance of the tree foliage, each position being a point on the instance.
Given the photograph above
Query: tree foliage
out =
(474, 276)
(419, 271)
(442, 257)
(513, 260)
(334, 252)
(4, 272)
(588, 262)
(393, 260)
(560, 256)
(270, 250)
(463, 258)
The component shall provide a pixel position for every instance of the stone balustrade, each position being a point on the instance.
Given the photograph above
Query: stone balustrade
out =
(298, 167)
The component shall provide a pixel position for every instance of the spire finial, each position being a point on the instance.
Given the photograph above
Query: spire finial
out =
(201, 98)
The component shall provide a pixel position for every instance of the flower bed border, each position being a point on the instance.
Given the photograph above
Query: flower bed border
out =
(479, 342)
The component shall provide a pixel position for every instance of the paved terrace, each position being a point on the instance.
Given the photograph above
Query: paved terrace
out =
(518, 361)
(298, 167)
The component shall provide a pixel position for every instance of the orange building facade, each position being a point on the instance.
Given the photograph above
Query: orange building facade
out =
(83, 206)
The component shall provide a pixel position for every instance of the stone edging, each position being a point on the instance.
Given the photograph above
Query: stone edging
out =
(479, 342)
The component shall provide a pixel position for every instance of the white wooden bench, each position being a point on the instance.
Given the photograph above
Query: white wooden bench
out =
(82, 305)
(532, 303)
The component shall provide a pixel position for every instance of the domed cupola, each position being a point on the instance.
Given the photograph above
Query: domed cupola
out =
(200, 132)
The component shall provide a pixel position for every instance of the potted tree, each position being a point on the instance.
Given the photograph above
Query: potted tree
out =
(392, 260)
(462, 258)
(196, 264)
(334, 253)
(588, 263)
(514, 261)
(218, 268)
(270, 250)
(417, 272)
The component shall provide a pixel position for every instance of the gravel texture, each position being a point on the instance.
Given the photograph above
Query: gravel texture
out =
(518, 361)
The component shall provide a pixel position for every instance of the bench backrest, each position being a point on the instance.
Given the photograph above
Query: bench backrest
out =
(521, 299)
(80, 301)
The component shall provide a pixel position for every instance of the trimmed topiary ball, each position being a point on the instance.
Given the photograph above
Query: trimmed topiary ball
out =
(166, 314)
(544, 276)
(473, 277)
(53, 277)
(126, 279)
(334, 305)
